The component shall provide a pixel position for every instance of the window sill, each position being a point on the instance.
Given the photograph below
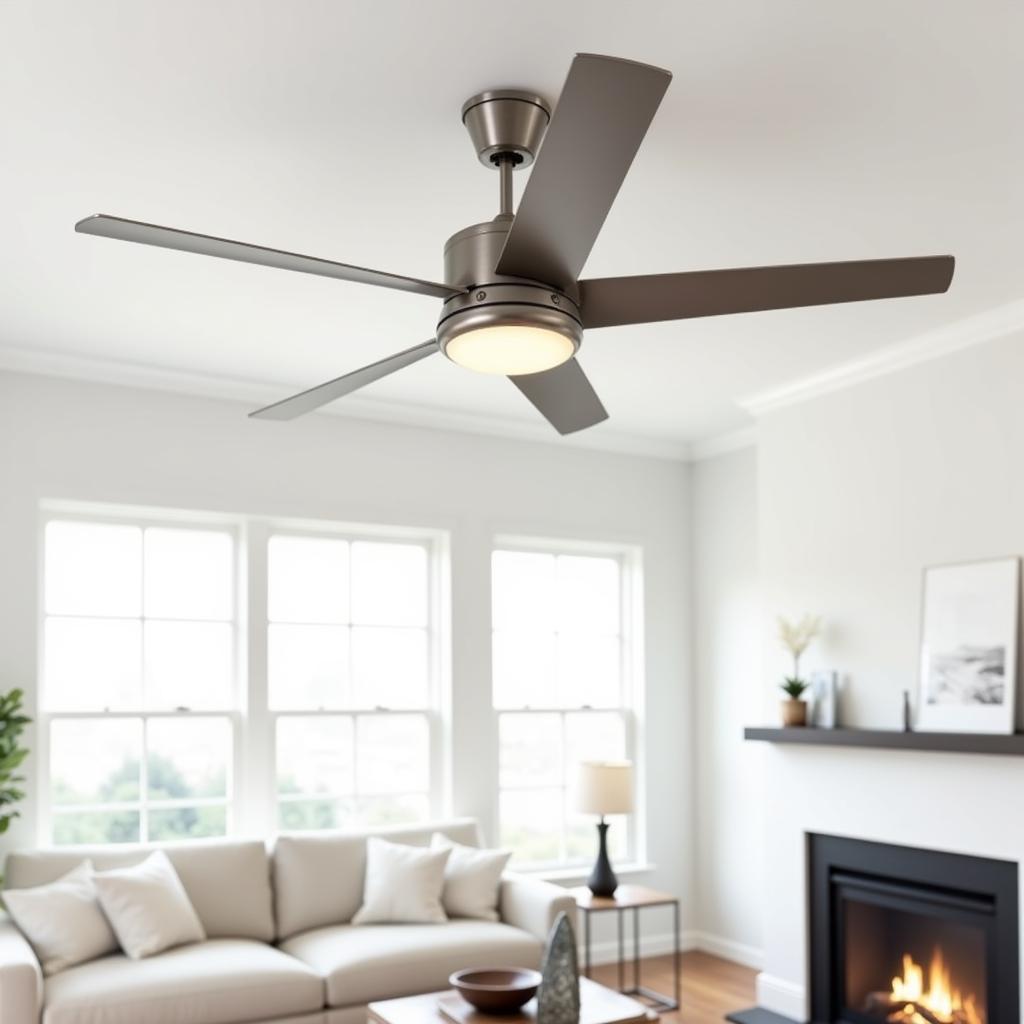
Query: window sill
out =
(579, 874)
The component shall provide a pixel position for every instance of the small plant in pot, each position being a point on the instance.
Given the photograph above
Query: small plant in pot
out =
(794, 710)
(796, 637)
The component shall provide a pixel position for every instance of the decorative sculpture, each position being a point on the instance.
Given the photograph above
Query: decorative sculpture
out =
(558, 1000)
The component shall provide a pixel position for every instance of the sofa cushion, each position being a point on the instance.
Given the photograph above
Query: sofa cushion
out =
(227, 881)
(318, 876)
(361, 963)
(472, 879)
(403, 884)
(147, 907)
(221, 981)
(63, 920)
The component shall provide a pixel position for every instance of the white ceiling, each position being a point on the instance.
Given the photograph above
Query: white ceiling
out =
(794, 130)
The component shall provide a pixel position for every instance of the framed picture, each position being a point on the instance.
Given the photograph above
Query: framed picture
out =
(969, 647)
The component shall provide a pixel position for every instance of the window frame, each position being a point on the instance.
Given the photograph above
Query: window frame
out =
(261, 813)
(629, 557)
(142, 519)
(252, 798)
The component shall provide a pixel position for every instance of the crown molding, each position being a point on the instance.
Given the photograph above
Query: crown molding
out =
(255, 394)
(723, 444)
(973, 330)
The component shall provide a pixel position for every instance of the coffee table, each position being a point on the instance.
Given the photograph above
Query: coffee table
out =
(598, 1005)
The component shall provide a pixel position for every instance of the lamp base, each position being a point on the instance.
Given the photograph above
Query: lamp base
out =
(602, 880)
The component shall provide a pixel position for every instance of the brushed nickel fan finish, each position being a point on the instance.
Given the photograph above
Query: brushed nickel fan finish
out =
(506, 121)
(488, 299)
(510, 305)
(523, 269)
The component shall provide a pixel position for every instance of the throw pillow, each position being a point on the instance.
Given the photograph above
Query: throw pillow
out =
(148, 907)
(62, 921)
(403, 884)
(472, 879)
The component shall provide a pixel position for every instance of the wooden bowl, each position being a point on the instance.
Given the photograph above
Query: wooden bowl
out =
(496, 989)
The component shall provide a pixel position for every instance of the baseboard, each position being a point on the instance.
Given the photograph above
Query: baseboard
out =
(727, 949)
(782, 996)
(607, 952)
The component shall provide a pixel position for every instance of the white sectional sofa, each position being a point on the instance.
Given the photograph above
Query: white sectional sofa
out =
(280, 948)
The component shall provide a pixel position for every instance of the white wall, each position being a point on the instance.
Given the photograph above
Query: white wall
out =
(859, 491)
(727, 680)
(79, 441)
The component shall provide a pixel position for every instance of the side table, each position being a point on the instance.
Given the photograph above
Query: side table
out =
(631, 898)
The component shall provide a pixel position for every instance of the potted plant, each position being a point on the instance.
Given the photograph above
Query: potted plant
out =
(796, 637)
(12, 724)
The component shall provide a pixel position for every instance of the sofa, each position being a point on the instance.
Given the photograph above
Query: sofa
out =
(280, 947)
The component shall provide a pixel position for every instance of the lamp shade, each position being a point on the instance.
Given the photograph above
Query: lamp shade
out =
(604, 787)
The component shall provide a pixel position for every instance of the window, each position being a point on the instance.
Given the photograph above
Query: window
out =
(561, 689)
(351, 679)
(138, 696)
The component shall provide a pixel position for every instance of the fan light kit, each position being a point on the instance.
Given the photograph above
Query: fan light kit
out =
(512, 300)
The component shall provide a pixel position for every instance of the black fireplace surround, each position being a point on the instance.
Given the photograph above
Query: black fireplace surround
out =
(877, 911)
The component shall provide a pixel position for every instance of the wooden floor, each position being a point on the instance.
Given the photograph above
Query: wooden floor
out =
(711, 987)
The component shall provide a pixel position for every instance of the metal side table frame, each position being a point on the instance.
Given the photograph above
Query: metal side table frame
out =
(631, 898)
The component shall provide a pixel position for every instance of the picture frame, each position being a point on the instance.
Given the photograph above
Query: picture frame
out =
(825, 693)
(969, 642)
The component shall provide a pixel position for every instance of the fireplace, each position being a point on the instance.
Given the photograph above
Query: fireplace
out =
(907, 936)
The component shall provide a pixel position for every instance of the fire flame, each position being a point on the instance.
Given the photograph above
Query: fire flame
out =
(940, 1001)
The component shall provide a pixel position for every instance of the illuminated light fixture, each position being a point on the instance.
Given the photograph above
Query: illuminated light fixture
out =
(513, 329)
(510, 349)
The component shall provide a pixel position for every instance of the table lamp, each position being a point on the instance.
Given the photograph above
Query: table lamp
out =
(604, 787)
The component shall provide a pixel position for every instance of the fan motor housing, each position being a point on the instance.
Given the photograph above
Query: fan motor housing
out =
(509, 305)
(494, 300)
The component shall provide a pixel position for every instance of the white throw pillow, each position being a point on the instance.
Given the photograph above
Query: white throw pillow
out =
(148, 907)
(403, 884)
(472, 879)
(62, 921)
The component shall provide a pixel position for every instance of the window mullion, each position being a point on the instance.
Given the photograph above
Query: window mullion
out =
(144, 782)
(256, 776)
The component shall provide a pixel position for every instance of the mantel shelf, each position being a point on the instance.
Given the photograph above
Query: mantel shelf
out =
(950, 742)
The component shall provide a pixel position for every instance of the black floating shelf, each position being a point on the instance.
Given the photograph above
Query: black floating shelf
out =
(890, 739)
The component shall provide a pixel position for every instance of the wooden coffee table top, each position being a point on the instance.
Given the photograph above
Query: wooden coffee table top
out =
(626, 896)
(597, 1004)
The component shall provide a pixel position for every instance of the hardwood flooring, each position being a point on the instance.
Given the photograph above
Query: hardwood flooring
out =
(711, 987)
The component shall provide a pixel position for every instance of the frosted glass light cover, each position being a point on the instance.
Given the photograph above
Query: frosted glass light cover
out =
(510, 350)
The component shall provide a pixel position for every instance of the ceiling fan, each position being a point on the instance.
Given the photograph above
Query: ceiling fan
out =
(512, 301)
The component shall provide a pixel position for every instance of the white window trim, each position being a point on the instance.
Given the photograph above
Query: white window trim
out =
(630, 558)
(252, 799)
(136, 516)
(263, 719)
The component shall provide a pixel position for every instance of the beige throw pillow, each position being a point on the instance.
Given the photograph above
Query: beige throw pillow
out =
(148, 907)
(403, 884)
(62, 921)
(472, 879)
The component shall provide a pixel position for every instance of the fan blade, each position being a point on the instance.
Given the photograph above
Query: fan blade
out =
(207, 245)
(307, 401)
(602, 116)
(613, 301)
(563, 396)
